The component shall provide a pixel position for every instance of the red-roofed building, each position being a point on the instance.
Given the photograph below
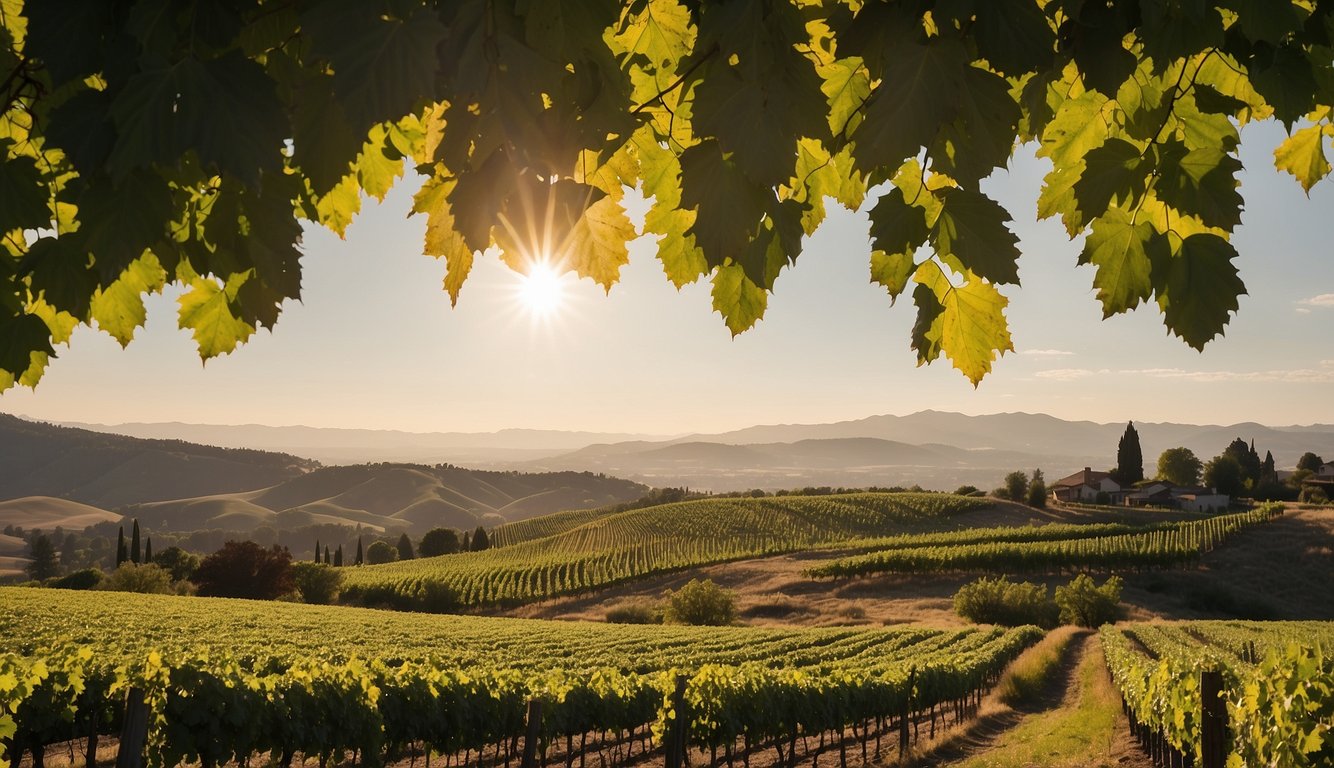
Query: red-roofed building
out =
(1085, 486)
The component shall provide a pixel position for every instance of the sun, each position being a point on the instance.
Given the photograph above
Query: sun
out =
(541, 290)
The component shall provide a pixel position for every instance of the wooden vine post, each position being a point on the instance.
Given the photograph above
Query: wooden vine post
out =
(134, 733)
(1213, 726)
(533, 734)
(677, 735)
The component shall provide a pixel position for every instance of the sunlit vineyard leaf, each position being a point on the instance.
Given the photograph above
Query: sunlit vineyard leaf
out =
(206, 310)
(739, 300)
(1120, 249)
(1303, 155)
(119, 308)
(1198, 287)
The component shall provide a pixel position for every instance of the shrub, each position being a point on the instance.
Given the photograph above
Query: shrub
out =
(700, 602)
(1004, 602)
(245, 569)
(88, 578)
(438, 541)
(638, 612)
(179, 563)
(317, 583)
(431, 597)
(966, 490)
(148, 579)
(380, 552)
(1086, 605)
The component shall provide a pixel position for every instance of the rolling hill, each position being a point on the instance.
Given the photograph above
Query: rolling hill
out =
(109, 471)
(395, 497)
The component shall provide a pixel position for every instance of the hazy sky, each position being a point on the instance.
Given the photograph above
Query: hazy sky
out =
(375, 343)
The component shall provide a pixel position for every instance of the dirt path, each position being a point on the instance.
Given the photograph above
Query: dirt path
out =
(1076, 721)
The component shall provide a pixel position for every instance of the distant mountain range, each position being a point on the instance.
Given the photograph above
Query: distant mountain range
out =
(62, 476)
(934, 449)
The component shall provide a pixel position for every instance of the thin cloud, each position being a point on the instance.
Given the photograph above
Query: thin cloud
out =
(1047, 352)
(1323, 375)
(1323, 300)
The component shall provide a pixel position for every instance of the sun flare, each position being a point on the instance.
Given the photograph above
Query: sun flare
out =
(541, 291)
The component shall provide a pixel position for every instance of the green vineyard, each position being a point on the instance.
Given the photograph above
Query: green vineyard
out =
(591, 551)
(1050, 548)
(1276, 684)
(224, 680)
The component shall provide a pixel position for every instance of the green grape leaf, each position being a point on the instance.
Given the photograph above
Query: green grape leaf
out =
(1287, 82)
(919, 93)
(597, 247)
(378, 164)
(1114, 172)
(1077, 128)
(892, 270)
(1014, 36)
(562, 29)
(67, 36)
(23, 196)
(927, 329)
(897, 227)
(846, 86)
(206, 309)
(1303, 155)
(119, 307)
(660, 35)
(739, 300)
(442, 240)
(682, 261)
(728, 206)
(1197, 288)
(323, 143)
(1201, 182)
(22, 338)
(971, 227)
(970, 328)
(381, 64)
(1124, 252)
(58, 271)
(983, 136)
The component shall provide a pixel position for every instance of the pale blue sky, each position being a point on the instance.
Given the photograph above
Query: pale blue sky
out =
(375, 343)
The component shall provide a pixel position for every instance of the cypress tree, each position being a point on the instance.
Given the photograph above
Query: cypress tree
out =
(480, 540)
(1268, 473)
(327, 561)
(467, 542)
(338, 557)
(317, 550)
(122, 554)
(148, 550)
(405, 548)
(1129, 458)
(359, 559)
(135, 551)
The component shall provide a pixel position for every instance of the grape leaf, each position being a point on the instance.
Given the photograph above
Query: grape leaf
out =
(1303, 155)
(597, 247)
(1121, 250)
(1201, 182)
(442, 240)
(1198, 287)
(919, 92)
(892, 270)
(1014, 36)
(22, 337)
(119, 307)
(728, 206)
(846, 86)
(740, 301)
(897, 228)
(381, 64)
(971, 227)
(970, 328)
(206, 310)
(1115, 171)
(23, 196)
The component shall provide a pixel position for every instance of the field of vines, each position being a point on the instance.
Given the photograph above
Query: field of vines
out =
(1050, 548)
(226, 680)
(604, 550)
(1277, 685)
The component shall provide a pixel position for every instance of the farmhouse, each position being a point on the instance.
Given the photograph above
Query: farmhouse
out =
(1085, 486)
(1323, 479)
(1192, 498)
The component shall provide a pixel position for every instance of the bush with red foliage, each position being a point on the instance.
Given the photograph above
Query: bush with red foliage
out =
(245, 569)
